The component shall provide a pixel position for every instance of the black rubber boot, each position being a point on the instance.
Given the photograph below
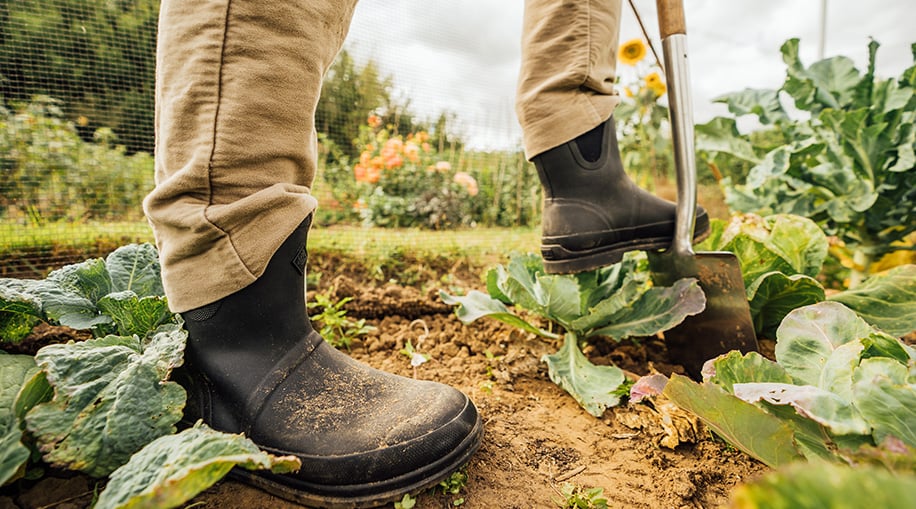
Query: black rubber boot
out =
(254, 365)
(593, 212)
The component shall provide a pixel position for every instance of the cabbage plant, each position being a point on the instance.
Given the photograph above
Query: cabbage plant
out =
(839, 390)
(616, 302)
(848, 159)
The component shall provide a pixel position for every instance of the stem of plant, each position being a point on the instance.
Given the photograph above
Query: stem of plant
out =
(861, 262)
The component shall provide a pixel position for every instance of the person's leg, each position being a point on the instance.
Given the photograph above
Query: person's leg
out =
(593, 213)
(237, 86)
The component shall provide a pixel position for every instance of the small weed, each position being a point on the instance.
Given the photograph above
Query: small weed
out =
(406, 503)
(336, 328)
(453, 486)
(577, 497)
(417, 359)
(312, 278)
(492, 361)
(624, 389)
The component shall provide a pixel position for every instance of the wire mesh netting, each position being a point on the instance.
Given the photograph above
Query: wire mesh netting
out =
(76, 135)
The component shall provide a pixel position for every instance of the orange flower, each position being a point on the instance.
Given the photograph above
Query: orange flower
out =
(631, 52)
(359, 173)
(443, 166)
(394, 161)
(466, 181)
(425, 146)
(373, 174)
(412, 151)
(374, 121)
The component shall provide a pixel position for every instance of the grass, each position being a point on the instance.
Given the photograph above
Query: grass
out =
(372, 245)
(17, 237)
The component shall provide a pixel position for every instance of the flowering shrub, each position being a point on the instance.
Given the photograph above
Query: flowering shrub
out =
(642, 122)
(403, 182)
(48, 173)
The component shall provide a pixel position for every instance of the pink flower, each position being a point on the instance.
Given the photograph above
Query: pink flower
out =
(467, 181)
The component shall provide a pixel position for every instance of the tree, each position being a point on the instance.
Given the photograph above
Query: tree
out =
(96, 56)
(350, 93)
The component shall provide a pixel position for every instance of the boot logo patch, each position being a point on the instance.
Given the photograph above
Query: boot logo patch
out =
(300, 260)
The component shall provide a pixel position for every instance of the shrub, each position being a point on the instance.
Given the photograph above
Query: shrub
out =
(47, 173)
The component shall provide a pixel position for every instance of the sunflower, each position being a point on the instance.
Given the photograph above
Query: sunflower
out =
(654, 83)
(632, 52)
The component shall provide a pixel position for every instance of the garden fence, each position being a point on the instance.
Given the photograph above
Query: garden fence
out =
(76, 134)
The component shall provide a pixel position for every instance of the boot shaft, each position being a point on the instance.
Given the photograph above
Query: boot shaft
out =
(268, 317)
(566, 171)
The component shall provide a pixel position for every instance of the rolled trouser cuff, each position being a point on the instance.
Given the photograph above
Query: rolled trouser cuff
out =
(579, 114)
(208, 253)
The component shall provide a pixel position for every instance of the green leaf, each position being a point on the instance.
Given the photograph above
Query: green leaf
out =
(721, 135)
(89, 279)
(135, 267)
(764, 103)
(67, 306)
(811, 439)
(887, 301)
(837, 373)
(879, 344)
(594, 387)
(821, 485)
(733, 367)
(554, 297)
(885, 399)
(111, 398)
(20, 311)
(773, 295)
(558, 296)
(808, 337)
(656, 310)
(173, 469)
(714, 242)
(493, 276)
(798, 241)
(22, 386)
(829, 83)
(13, 455)
(781, 243)
(741, 424)
(603, 312)
(477, 305)
(819, 405)
(134, 315)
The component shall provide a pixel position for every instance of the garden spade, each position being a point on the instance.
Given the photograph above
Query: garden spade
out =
(726, 323)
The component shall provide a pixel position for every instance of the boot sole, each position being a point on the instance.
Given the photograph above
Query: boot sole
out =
(565, 261)
(375, 494)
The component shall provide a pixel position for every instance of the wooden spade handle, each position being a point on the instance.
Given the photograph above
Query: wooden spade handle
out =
(671, 17)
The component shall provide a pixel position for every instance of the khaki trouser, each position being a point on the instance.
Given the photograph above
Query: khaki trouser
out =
(236, 90)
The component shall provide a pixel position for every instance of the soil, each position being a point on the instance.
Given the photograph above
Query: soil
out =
(645, 455)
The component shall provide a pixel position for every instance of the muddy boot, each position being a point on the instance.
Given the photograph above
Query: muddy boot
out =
(254, 365)
(593, 213)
